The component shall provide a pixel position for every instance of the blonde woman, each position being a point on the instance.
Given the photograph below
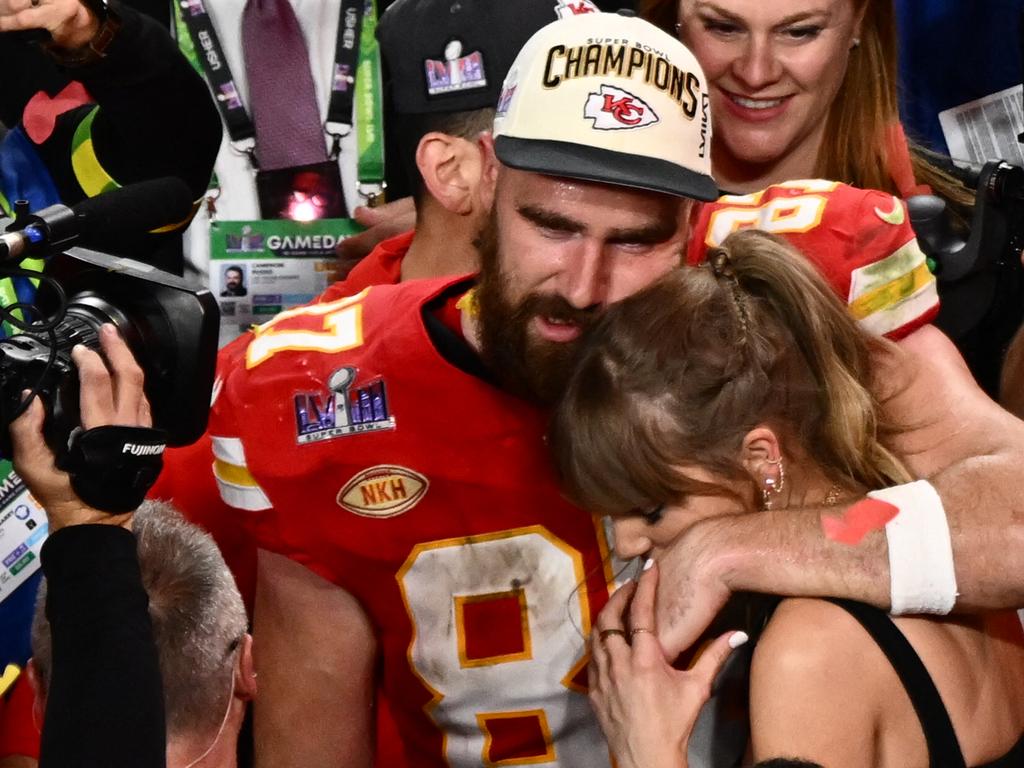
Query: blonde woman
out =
(743, 385)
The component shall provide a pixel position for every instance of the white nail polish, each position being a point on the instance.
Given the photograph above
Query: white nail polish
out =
(736, 639)
(649, 563)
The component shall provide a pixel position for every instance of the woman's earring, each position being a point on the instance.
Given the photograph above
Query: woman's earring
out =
(773, 486)
(855, 43)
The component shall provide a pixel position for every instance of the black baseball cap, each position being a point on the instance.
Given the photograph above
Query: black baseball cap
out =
(452, 55)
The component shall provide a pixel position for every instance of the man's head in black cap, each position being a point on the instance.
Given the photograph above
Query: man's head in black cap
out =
(446, 60)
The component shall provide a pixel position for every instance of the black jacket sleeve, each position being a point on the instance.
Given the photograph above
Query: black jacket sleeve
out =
(105, 704)
(156, 115)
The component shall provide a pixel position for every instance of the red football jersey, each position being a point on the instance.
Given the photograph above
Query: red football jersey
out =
(427, 493)
(861, 240)
(188, 480)
(18, 734)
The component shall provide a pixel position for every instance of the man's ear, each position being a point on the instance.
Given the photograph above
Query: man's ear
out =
(760, 453)
(245, 671)
(38, 694)
(489, 172)
(451, 168)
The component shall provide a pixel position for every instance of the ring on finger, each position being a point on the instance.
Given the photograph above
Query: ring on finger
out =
(604, 634)
(640, 630)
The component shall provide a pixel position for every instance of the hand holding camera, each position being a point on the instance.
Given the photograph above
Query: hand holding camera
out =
(157, 335)
(111, 395)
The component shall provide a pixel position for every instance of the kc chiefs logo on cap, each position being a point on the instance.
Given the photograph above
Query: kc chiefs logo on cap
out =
(613, 109)
(567, 8)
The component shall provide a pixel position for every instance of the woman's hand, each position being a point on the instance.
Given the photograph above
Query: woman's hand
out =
(647, 708)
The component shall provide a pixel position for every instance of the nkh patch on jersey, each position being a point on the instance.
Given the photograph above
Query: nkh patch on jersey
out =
(385, 490)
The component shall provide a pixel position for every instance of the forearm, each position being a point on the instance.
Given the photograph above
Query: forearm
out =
(786, 553)
(984, 503)
(105, 678)
(315, 656)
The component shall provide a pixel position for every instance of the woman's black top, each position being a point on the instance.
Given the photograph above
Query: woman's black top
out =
(943, 747)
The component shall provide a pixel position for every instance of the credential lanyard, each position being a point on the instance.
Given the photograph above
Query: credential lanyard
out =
(356, 84)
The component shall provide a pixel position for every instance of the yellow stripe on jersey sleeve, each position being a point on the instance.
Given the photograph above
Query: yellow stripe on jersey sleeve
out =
(238, 488)
(893, 291)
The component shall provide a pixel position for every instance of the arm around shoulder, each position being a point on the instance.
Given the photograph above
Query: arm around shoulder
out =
(971, 450)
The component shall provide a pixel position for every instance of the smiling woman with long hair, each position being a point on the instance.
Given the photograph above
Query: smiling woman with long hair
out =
(804, 89)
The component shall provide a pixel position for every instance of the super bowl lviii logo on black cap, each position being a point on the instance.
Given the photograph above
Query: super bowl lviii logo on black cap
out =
(456, 72)
(585, 89)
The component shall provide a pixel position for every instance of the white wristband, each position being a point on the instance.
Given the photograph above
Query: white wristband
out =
(921, 575)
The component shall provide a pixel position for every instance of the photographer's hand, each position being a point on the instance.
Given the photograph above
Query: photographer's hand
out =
(111, 393)
(69, 22)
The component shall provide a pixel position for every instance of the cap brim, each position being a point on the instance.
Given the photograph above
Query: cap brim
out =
(578, 161)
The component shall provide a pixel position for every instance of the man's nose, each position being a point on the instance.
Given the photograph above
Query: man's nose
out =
(584, 281)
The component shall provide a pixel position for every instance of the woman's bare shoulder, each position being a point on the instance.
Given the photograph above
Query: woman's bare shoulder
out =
(816, 688)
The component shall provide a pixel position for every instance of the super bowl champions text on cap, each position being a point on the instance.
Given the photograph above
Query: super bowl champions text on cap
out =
(589, 96)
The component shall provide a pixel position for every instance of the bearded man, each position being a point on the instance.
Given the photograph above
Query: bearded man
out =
(386, 448)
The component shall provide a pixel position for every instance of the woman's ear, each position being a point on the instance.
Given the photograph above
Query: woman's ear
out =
(760, 453)
(858, 23)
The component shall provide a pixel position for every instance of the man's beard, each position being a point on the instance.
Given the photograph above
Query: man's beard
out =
(527, 366)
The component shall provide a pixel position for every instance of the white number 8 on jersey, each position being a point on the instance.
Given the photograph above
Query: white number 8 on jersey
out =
(523, 682)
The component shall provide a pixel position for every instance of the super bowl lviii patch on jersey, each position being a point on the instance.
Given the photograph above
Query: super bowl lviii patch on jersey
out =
(385, 490)
(343, 409)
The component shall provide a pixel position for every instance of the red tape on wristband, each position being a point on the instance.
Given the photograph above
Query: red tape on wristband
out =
(858, 521)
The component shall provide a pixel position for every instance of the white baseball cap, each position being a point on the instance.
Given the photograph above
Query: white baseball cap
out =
(608, 97)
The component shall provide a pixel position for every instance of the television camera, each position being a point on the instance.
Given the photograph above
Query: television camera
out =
(170, 326)
(981, 280)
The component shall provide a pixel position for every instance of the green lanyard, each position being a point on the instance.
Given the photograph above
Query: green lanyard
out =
(370, 106)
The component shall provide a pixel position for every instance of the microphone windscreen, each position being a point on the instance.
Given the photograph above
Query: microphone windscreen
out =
(134, 209)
